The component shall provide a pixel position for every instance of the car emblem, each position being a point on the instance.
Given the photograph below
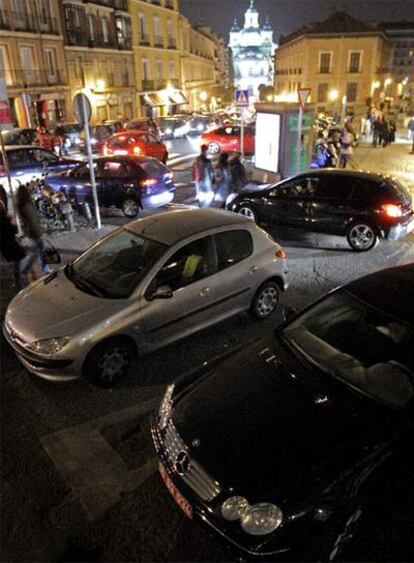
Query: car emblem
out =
(182, 463)
(196, 442)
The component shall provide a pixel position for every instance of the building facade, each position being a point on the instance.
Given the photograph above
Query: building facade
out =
(32, 60)
(343, 61)
(99, 56)
(252, 50)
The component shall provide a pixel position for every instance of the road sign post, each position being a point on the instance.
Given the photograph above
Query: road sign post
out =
(242, 101)
(303, 95)
(83, 111)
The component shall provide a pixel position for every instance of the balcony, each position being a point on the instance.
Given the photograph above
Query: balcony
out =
(121, 5)
(172, 43)
(101, 42)
(77, 36)
(38, 77)
(25, 21)
(169, 4)
(147, 85)
(109, 3)
(156, 2)
(158, 41)
(125, 43)
(144, 39)
(160, 84)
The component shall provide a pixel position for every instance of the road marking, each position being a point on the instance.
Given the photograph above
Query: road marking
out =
(96, 473)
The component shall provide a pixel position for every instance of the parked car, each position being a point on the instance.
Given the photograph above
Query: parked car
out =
(138, 143)
(144, 124)
(72, 132)
(360, 206)
(19, 136)
(277, 444)
(173, 127)
(125, 182)
(226, 138)
(99, 134)
(146, 285)
(200, 123)
(115, 125)
(28, 162)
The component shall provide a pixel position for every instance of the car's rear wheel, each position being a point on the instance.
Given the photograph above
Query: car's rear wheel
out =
(130, 207)
(361, 236)
(248, 212)
(266, 300)
(213, 148)
(109, 362)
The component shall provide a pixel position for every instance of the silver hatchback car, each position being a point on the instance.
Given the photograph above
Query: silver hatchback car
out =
(154, 281)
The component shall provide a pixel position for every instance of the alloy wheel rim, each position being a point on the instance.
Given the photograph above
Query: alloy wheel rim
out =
(361, 236)
(112, 364)
(267, 301)
(214, 148)
(130, 207)
(247, 212)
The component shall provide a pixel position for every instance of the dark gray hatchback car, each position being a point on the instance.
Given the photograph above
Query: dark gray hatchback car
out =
(361, 206)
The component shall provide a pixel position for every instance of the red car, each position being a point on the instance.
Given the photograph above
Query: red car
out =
(138, 143)
(226, 138)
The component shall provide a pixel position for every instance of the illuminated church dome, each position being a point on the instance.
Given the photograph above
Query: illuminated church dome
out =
(252, 47)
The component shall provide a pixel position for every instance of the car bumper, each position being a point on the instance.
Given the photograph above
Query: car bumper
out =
(158, 200)
(400, 231)
(51, 369)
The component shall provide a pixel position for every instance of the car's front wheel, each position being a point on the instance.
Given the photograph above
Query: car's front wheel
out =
(109, 362)
(130, 207)
(361, 236)
(248, 212)
(266, 300)
(213, 148)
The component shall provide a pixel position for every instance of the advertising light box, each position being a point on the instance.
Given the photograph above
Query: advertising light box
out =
(267, 141)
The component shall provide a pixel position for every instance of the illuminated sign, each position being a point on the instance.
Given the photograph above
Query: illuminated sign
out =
(267, 141)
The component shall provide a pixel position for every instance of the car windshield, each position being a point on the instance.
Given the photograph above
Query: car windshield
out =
(113, 268)
(358, 344)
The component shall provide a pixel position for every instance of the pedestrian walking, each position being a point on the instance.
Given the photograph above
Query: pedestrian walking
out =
(32, 229)
(44, 138)
(59, 141)
(203, 176)
(222, 179)
(384, 134)
(410, 127)
(392, 128)
(376, 130)
(238, 177)
(10, 249)
(347, 143)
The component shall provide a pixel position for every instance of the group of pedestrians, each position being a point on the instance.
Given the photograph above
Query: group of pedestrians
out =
(383, 131)
(215, 184)
(24, 261)
(55, 142)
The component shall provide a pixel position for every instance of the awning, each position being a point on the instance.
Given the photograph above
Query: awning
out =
(153, 100)
(179, 98)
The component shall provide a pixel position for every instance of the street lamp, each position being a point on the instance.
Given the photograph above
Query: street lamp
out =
(203, 96)
(100, 84)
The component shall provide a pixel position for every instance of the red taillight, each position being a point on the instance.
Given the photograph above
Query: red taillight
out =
(391, 210)
(280, 253)
(147, 183)
(137, 151)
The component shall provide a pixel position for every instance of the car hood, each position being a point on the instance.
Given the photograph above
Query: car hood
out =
(254, 188)
(267, 426)
(53, 306)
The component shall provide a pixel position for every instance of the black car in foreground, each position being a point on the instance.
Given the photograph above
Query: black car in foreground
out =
(282, 444)
(361, 206)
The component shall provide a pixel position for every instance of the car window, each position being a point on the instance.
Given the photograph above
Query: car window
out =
(153, 167)
(83, 171)
(21, 158)
(114, 267)
(363, 189)
(300, 187)
(232, 247)
(188, 265)
(41, 155)
(335, 186)
(113, 169)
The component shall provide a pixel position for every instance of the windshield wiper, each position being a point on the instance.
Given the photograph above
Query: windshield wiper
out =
(86, 285)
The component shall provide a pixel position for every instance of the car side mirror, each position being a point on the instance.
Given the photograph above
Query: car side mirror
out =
(162, 292)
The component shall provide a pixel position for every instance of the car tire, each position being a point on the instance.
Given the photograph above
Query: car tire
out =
(213, 148)
(265, 301)
(130, 207)
(109, 362)
(248, 212)
(362, 236)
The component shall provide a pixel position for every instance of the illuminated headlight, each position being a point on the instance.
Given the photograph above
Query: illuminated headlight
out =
(94, 141)
(49, 346)
(230, 199)
(261, 519)
(77, 141)
(168, 131)
(200, 127)
(164, 412)
(234, 507)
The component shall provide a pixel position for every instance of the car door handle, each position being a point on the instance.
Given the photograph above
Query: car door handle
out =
(253, 269)
(204, 292)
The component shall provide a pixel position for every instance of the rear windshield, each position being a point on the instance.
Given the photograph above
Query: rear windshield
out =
(396, 189)
(121, 141)
(153, 167)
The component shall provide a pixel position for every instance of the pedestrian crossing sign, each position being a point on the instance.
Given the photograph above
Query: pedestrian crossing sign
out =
(242, 98)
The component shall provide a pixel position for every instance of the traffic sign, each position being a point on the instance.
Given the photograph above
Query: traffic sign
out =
(82, 107)
(303, 95)
(242, 98)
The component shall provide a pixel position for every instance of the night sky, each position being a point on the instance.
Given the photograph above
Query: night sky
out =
(287, 15)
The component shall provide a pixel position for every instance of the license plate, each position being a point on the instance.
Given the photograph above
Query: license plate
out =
(175, 493)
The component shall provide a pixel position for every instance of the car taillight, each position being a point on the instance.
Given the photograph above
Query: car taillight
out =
(280, 253)
(147, 184)
(137, 151)
(391, 210)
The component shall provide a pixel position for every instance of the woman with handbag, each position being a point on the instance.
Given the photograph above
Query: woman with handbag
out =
(32, 229)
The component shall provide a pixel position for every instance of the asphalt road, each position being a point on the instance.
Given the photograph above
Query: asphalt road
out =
(79, 476)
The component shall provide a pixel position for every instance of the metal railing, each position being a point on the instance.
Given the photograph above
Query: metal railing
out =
(158, 41)
(172, 43)
(125, 43)
(147, 85)
(26, 21)
(77, 36)
(144, 39)
(169, 4)
(38, 77)
(121, 5)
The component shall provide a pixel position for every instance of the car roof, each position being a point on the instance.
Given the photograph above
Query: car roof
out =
(390, 290)
(341, 172)
(127, 158)
(24, 147)
(173, 226)
(130, 132)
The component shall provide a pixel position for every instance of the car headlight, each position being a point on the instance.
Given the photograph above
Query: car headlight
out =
(168, 131)
(261, 519)
(164, 412)
(230, 199)
(200, 127)
(234, 507)
(77, 141)
(49, 345)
